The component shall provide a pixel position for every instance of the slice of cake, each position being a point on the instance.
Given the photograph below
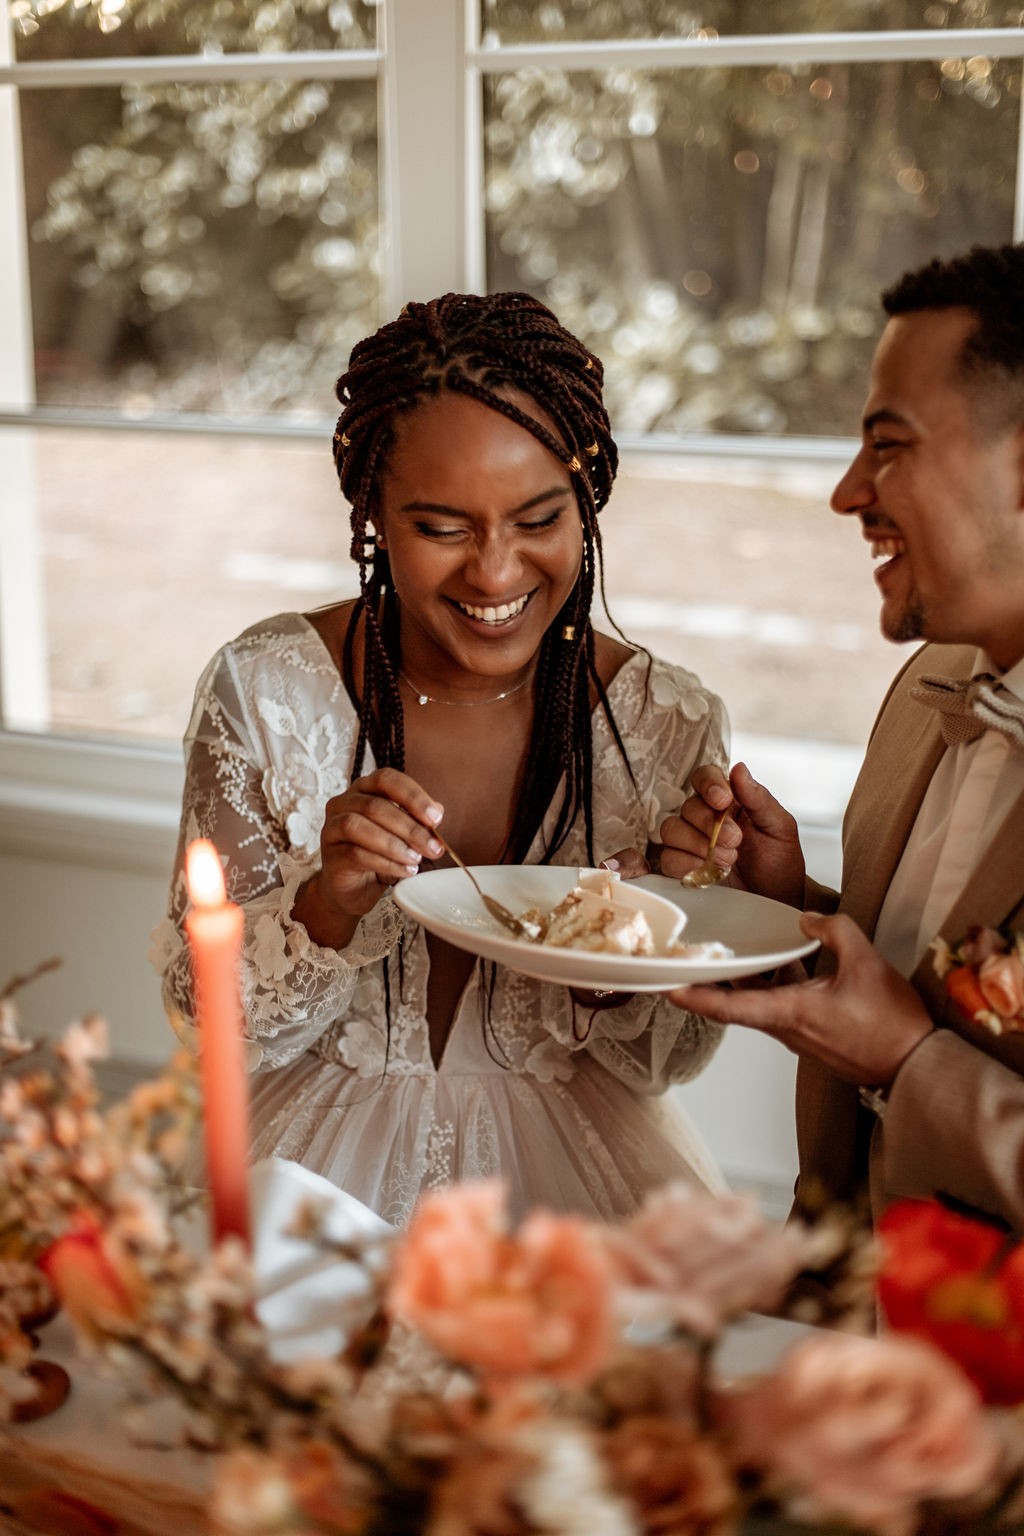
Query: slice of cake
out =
(591, 918)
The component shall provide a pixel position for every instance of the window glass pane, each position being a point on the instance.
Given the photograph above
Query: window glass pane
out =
(103, 29)
(524, 21)
(202, 247)
(738, 570)
(157, 548)
(720, 236)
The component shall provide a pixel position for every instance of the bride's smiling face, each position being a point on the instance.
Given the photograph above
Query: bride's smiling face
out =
(483, 536)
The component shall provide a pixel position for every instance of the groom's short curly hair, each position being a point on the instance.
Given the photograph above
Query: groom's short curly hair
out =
(988, 281)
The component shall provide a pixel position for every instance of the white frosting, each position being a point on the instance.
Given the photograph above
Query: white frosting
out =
(590, 918)
(710, 949)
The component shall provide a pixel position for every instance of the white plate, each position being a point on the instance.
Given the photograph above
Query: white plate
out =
(763, 934)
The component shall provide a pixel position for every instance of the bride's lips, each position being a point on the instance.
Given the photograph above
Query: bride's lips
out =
(492, 615)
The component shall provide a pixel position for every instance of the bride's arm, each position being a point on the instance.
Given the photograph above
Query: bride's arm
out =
(292, 987)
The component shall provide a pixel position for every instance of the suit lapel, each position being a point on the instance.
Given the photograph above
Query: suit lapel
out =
(903, 753)
(883, 809)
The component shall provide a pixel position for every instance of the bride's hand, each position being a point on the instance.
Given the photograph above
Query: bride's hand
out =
(628, 863)
(374, 834)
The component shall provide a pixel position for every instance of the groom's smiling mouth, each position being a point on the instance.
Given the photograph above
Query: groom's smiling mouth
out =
(884, 549)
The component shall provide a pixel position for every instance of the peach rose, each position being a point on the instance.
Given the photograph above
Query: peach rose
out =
(1001, 979)
(865, 1430)
(98, 1282)
(696, 1260)
(537, 1302)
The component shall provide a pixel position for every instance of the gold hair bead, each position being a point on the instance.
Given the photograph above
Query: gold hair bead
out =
(588, 364)
(574, 465)
(592, 449)
(569, 632)
(345, 441)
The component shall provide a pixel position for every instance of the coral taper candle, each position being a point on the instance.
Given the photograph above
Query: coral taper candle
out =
(215, 934)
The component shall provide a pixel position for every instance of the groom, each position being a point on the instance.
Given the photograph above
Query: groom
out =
(897, 1088)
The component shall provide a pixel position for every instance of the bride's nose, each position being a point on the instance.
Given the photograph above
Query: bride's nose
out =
(494, 564)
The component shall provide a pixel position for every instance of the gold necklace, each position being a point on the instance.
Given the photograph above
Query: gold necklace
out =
(428, 698)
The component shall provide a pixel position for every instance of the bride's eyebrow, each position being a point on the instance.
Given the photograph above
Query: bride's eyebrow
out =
(526, 506)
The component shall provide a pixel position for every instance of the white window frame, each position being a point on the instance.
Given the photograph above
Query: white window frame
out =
(115, 805)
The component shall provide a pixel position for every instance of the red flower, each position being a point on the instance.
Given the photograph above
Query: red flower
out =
(97, 1281)
(962, 986)
(950, 1280)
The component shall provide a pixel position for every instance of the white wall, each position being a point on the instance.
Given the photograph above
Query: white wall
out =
(97, 922)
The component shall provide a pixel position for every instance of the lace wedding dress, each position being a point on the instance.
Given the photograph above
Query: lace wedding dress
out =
(571, 1125)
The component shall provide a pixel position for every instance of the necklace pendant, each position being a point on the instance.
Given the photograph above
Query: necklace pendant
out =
(428, 698)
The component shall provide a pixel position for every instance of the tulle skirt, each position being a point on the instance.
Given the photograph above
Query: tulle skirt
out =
(588, 1144)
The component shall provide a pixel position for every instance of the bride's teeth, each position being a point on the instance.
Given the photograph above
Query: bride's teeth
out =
(886, 548)
(495, 615)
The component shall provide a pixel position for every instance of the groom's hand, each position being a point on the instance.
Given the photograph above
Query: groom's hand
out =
(862, 1022)
(759, 844)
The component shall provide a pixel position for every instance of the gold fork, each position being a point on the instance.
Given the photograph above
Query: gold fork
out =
(500, 913)
(709, 873)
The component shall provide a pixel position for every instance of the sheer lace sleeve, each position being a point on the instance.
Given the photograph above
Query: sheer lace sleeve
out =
(262, 758)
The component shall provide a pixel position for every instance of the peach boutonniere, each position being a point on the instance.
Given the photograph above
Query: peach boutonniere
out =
(984, 975)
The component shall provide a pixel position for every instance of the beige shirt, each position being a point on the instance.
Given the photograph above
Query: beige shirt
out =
(971, 791)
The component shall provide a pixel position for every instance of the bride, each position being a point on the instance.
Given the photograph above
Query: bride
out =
(465, 691)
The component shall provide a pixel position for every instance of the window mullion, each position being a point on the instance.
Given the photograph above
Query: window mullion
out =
(422, 125)
(187, 69)
(1018, 200)
(726, 52)
(471, 153)
(24, 683)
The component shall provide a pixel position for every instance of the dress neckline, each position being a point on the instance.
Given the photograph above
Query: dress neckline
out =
(609, 687)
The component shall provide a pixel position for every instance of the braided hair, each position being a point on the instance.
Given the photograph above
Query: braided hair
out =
(483, 347)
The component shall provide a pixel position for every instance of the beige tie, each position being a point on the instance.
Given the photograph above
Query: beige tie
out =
(971, 706)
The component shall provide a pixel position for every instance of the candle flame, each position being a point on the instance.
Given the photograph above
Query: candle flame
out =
(203, 874)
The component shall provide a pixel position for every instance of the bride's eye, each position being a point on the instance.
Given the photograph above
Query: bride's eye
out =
(433, 532)
(545, 522)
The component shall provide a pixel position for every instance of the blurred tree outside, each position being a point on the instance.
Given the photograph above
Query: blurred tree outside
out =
(718, 235)
(202, 246)
(513, 21)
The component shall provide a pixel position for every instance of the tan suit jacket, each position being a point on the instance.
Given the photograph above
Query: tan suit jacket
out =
(954, 1122)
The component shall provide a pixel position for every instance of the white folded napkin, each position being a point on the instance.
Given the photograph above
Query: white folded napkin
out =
(307, 1299)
